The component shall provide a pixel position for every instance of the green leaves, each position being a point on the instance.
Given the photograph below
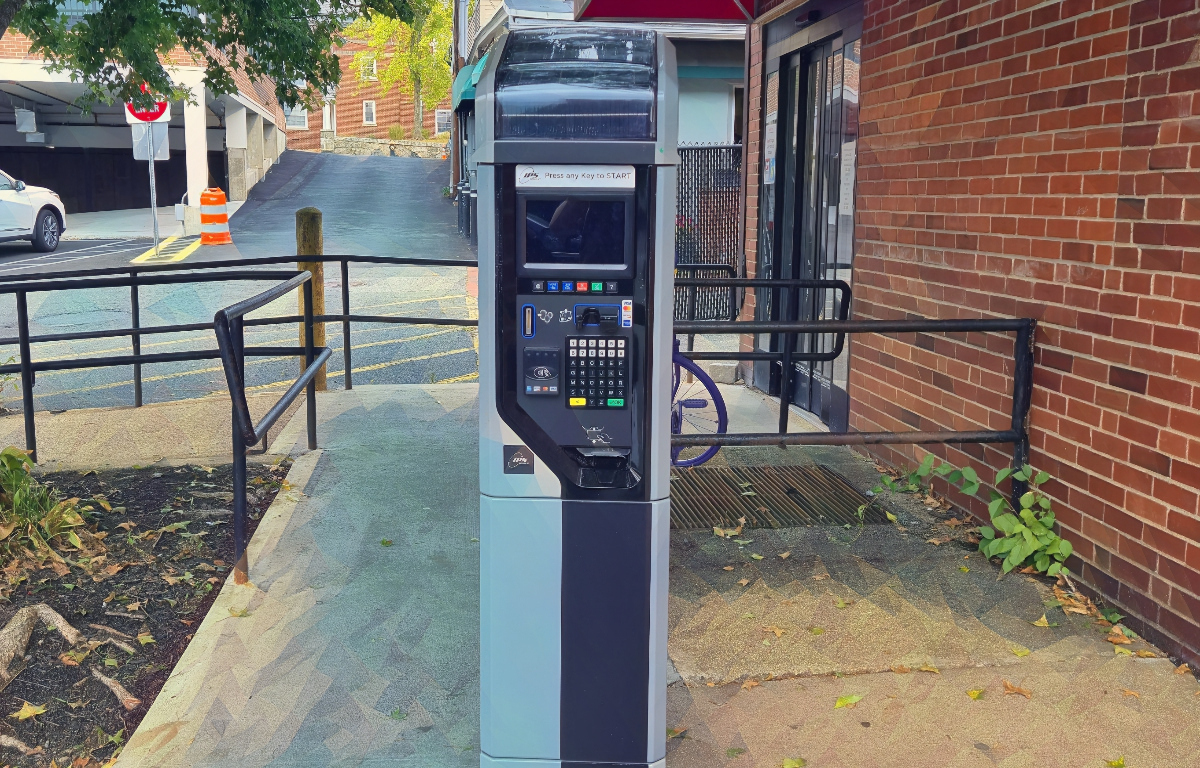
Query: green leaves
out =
(847, 702)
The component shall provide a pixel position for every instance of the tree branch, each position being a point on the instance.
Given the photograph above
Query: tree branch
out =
(8, 10)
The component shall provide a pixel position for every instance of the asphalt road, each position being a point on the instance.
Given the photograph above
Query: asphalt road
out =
(380, 206)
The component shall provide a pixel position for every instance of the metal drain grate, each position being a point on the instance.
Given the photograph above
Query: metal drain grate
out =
(704, 497)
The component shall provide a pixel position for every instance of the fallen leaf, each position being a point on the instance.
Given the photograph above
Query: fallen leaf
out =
(975, 693)
(931, 668)
(820, 577)
(891, 518)
(1128, 693)
(146, 638)
(954, 522)
(750, 684)
(718, 532)
(816, 631)
(1009, 688)
(1182, 669)
(785, 555)
(239, 613)
(171, 580)
(847, 702)
(110, 662)
(840, 603)
(734, 752)
(756, 556)
(127, 525)
(767, 643)
(1029, 569)
(76, 704)
(939, 542)
(1020, 653)
(1146, 654)
(743, 542)
(187, 622)
(743, 582)
(778, 632)
(964, 569)
(1042, 622)
(111, 597)
(747, 615)
(28, 710)
(1122, 651)
(727, 568)
(386, 542)
(794, 762)
(1118, 763)
(675, 733)
(900, 669)
(134, 605)
(1117, 637)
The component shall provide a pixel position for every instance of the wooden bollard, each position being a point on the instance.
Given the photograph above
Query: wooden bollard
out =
(311, 242)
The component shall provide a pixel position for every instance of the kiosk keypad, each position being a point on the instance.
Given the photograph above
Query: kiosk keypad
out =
(597, 371)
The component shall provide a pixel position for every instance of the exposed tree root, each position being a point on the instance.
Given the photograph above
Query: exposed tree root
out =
(14, 638)
(20, 746)
(127, 699)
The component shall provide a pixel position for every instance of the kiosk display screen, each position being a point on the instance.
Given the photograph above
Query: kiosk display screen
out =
(575, 231)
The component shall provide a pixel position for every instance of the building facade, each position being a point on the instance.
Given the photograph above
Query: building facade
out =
(228, 141)
(997, 159)
(361, 108)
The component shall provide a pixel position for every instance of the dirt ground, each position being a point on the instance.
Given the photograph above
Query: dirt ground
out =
(169, 549)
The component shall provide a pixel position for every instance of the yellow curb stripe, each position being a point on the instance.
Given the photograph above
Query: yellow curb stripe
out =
(150, 255)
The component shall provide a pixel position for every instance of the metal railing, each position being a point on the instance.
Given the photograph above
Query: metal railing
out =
(229, 326)
(165, 274)
(707, 220)
(1017, 433)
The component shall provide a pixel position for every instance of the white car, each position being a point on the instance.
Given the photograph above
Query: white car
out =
(30, 213)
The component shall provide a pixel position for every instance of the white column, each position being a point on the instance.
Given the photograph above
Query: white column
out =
(195, 141)
(235, 147)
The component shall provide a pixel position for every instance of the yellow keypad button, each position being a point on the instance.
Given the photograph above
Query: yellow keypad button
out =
(578, 401)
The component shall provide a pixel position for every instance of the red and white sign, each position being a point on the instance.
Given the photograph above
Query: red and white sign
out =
(161, 113)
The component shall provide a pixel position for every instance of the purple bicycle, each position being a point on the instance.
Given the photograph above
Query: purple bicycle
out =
(696, 408)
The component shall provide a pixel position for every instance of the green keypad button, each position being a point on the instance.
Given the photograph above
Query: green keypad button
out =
(597, 287)
(618, 402)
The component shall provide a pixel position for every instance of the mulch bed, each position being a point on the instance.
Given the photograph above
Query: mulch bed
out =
(156, 583)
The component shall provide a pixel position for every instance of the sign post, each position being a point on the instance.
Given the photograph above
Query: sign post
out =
(145, 123)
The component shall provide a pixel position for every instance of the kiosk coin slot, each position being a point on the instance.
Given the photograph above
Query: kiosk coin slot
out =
(575, 140)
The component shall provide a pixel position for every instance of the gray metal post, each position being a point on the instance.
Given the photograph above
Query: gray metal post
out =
(136, 313)
(240, 567)
(346, 323)
(311, 395)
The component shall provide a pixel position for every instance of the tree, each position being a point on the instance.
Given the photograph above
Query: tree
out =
(118, 45)
(412, 54)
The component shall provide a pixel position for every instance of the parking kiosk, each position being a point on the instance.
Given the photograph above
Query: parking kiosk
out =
(576, 153)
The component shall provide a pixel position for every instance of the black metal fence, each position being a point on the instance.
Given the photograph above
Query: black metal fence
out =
(163, 274)
(1022, 392)
(707, 226)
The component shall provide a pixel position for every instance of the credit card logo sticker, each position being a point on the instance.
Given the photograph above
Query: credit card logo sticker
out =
(627, 313)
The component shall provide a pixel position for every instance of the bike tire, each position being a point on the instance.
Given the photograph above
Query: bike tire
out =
(706, 381)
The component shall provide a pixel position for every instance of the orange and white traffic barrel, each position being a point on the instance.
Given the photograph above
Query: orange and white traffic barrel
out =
(214, 220)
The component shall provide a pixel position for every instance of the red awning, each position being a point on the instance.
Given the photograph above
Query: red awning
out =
(664, 10)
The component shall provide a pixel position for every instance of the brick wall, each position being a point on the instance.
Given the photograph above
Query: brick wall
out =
(1042, 159)
(393, 109)
(753, 161)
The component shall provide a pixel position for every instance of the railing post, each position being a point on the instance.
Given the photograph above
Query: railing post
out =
(26, 374)
(135, 308)
(345, 264)
(785, 382)
(311, 396)
(239, 461)
(1022, 397)
(310, 242)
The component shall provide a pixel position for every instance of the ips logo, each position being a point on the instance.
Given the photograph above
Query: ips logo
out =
(530, 174)
(518, 460)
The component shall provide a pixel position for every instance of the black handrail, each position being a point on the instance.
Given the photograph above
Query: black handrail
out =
(228, 327)
(1017, 434)
(168, 274)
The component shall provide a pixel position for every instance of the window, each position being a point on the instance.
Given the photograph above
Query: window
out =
(368, 113)
(442, 119)
(296, 117)
(370, 70)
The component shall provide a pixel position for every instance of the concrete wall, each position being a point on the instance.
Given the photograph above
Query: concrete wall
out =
(352, 145)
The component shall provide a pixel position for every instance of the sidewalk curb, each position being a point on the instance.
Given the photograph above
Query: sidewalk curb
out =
(166, 733)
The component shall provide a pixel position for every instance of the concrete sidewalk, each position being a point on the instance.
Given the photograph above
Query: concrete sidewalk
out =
(127, 223)
(353, 652)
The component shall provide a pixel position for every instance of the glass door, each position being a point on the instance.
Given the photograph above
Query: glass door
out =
(818, 138)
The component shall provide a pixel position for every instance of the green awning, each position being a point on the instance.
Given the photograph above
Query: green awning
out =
(466, 80)
(463, 89)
